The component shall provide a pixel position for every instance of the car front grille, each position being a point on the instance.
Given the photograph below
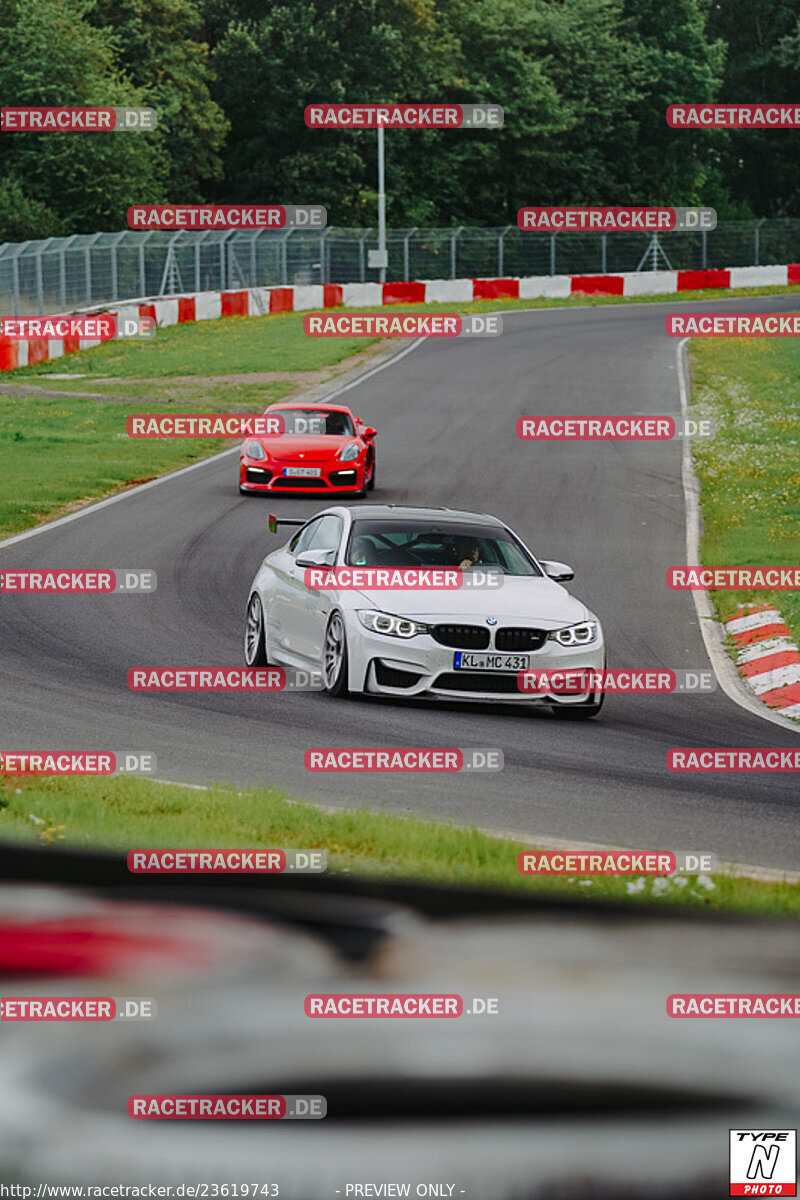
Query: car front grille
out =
(520, 639)
(303, 481)
(478, 681)
(461, 637)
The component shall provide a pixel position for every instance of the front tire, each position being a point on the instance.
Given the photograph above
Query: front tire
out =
(334, 657)
(371, 484)
(255, 649)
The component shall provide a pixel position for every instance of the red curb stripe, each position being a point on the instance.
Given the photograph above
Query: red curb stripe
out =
(758, 635)
(281, 300)
(597, 285)
(332, 295)
(495, 289)
(234, 304)
(404, 293)
(690, 280)
(770, 662)
(187, 310)
(793, 273)
(782, 697)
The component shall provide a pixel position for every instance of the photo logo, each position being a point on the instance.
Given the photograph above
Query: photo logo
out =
(763, 1162)
(732, 325)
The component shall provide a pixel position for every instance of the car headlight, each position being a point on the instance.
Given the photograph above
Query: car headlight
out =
(381, 622)
(575, 635)
(349, 453)
(255, 450)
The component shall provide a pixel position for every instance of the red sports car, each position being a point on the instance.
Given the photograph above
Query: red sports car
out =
(324, 448)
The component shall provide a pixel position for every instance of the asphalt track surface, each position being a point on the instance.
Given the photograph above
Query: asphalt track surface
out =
(446, 416)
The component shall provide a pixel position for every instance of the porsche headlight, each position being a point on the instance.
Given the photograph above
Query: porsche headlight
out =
(381, 622)
(575, 635)
(255, 450)
(349, 452)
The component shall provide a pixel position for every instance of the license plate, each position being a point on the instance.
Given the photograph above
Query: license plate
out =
(304, 471)
(466, 661)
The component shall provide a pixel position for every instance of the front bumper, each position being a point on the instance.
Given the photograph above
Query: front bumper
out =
(422, 668)
(348, 477)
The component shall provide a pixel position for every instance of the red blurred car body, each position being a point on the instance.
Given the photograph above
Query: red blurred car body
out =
(325, 448)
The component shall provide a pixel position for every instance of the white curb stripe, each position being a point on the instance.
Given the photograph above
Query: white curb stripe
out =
(769, 616)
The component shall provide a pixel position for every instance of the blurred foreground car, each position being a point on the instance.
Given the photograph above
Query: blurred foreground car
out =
(579, 1086)
(324, 448)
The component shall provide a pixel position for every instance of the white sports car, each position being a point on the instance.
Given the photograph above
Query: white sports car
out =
(465, 644)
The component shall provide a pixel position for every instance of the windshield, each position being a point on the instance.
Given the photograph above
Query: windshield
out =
(425, 544)
(314, 422)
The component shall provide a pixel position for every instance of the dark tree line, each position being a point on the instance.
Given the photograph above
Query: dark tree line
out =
(584, 85)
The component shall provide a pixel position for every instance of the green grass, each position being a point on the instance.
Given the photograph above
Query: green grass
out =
(131, 813)
(749, 472)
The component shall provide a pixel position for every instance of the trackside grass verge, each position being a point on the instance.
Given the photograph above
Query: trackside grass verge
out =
(126, 814)
(749, 472)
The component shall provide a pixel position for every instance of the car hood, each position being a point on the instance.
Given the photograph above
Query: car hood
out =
(312, 449)
(519, 599)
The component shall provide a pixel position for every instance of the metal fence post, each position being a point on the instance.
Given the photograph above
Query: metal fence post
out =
(361, 255)
(453, 239)
(704, 262)
(405, 251)
(15, 276)
(500, 241)
(756, 241)
(323, 266)
(553, 237)
(603, 253)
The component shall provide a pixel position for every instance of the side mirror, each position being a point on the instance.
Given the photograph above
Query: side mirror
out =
(369, 432)
(558, 571)
(316, 558)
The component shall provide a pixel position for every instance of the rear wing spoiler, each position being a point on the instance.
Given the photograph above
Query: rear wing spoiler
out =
(274, 522)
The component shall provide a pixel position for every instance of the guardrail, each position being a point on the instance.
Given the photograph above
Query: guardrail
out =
(87, 270)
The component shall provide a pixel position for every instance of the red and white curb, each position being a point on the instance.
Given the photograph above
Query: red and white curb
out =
(767, 658)
(257, 302)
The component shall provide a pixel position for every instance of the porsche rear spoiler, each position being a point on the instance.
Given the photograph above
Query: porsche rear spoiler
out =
(274, 522)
